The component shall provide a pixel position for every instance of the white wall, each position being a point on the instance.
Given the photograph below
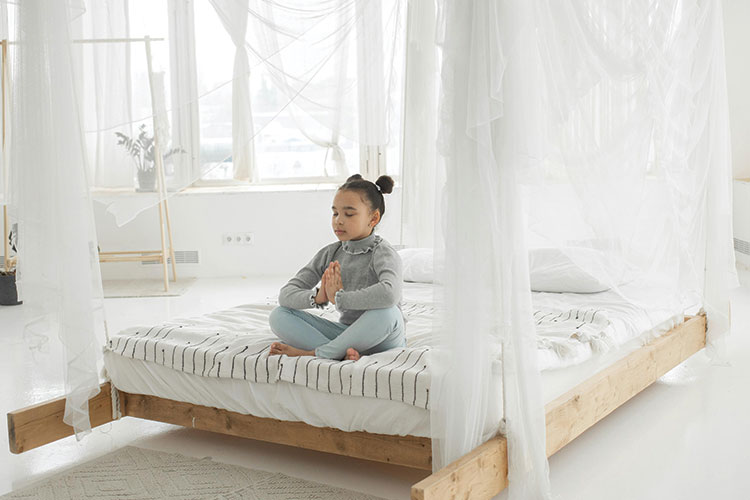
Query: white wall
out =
(288, 227)
(737, 45)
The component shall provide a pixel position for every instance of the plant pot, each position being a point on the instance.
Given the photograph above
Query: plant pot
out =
(147, 180)
(8, 292)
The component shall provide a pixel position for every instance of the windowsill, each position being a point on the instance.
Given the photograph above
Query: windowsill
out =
(220, 189)
(240, 188)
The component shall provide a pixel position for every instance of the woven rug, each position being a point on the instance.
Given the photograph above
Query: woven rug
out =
(139, 474)
(115, 289)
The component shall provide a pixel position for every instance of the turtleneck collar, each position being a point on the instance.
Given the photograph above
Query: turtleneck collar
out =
(361, 246)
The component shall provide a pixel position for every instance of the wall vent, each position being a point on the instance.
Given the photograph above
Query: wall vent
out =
(742, 246)
(180, 257)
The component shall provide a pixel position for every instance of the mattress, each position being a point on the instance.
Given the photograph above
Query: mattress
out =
(221, 360)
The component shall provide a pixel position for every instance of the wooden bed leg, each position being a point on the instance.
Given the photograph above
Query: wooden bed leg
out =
(37, 425)
(481, 473)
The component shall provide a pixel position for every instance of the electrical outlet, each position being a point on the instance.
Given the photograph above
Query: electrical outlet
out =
(239, 238)
(248, 238)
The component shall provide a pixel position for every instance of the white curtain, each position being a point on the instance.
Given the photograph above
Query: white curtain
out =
(599, 129)
(489, 83)
(184, 91)
(419, 169)
(107, 94)
(4, 33)
(334, 63)
(58, 268)
(233, 15)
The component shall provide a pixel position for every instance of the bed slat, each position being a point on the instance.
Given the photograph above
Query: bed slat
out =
(595, 398)
(409, 451)
(37, 425)
(569, 415)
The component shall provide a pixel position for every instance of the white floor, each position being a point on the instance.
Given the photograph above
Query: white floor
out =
(686, 437)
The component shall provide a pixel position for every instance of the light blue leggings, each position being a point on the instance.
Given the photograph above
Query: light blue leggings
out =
(376, 330)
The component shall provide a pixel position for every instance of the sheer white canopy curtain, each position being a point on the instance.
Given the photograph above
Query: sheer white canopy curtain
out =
(58, 269)
(594, 130)
(233, 15)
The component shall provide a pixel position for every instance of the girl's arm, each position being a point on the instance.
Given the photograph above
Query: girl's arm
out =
(299, 292)
(383, 294)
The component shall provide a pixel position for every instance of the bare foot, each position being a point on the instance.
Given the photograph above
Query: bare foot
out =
(352, 354)
(279, 348)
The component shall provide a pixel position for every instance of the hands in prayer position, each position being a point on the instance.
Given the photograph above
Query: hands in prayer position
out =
(330, 283)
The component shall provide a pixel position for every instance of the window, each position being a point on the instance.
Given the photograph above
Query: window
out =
(286, 148)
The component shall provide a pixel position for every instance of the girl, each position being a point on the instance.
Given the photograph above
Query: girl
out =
(360, 274)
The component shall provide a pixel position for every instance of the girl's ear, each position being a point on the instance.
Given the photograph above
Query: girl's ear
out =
(375, 218)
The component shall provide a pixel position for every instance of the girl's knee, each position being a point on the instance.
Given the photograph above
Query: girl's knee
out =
(277, 318)
(389, 313)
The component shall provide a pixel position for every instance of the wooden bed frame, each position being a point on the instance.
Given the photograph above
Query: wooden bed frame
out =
(482, 473)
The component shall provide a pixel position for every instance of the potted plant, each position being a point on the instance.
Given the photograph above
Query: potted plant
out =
(8, 291)
(141, 149)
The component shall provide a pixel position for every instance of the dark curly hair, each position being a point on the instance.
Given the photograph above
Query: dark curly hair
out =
(372, 192)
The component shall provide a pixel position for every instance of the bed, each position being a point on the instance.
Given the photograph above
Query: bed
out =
(213, 372)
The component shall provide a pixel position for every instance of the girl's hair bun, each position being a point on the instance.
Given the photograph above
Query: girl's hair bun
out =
(385, 183)
(354, 177)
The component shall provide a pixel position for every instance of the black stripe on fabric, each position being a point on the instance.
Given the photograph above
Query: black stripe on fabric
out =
(155, 339)
(427, 402)
(542, 318)
(255, 368)
(390, 389)
(173, 353)
(294, 375)
(122, 353)
(307, 375)
(414, 402)
(404, 373)
(594, 315)
(329, 377)
(213, 363)
(182, 365)
(135, 344)
(341, 369)
(163, 358)
(383, 366)
(317, 376)
(205, 355)
(196, 350)
(156, 342)
(231, 372)
(364, 375)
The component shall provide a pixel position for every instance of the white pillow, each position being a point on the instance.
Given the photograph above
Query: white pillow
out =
(571, 269)
(418, 264)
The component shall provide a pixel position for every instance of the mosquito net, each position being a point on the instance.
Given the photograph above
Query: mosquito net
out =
(578, 147)
(586, 151)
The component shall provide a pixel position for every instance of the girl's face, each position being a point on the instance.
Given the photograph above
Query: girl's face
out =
(352, 218)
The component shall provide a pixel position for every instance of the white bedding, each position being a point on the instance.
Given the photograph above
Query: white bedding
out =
(221, 360)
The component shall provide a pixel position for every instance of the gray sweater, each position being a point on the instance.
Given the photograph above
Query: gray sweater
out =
(370, 272)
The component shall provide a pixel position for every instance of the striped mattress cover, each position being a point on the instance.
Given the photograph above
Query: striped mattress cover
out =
(234, 343)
